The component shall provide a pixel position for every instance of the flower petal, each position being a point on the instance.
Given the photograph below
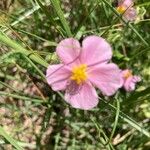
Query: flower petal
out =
(130, 14)
(107, 77)
(86, 98)
(95, 49)
(68, 50)
(136, 78)
(57, 76)
(126, 3)
(129, 84)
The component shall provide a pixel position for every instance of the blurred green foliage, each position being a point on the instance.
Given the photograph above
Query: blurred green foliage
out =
(39, 26)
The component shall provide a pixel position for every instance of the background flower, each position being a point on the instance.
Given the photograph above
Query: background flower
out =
(129, 80)
(125, 7)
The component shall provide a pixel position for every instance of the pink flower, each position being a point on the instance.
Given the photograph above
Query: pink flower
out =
(125, 7)
(129, 80)
(81, 69)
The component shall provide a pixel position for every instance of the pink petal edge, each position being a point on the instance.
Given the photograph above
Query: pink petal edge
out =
(57, 76)
(107, 77)
(86, 98)
(68, 50)
(126, 3)
(95, 50)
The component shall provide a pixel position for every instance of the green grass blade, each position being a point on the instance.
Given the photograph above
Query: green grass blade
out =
(18, 48)
(123, 116)
(44, 9)
(50, 43)
(35, 67)
(22, 97)
(143, 4)
(106, 142)
(128, 24)
(116, 119)
(23, 144)
(47, 13)
(81, 24)
(60, 14)
(134, 97)
(9, 139)
(8, 86)
(22, 17)
(129, 120)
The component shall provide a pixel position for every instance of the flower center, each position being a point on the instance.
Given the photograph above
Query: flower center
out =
(79, 73)
(127, 74)
(121, 9)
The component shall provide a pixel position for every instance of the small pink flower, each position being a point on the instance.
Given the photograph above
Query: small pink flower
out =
(125, 7)
(81, 69)
(129, 80)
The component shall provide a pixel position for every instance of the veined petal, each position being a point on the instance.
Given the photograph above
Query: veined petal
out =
(95, 50)
(68, 50)
(57, 76)
(86, 98)
(107, 77)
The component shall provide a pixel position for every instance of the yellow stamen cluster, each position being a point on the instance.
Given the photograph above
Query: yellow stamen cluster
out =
(79, 73)
(128, 74)
(121, 9)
